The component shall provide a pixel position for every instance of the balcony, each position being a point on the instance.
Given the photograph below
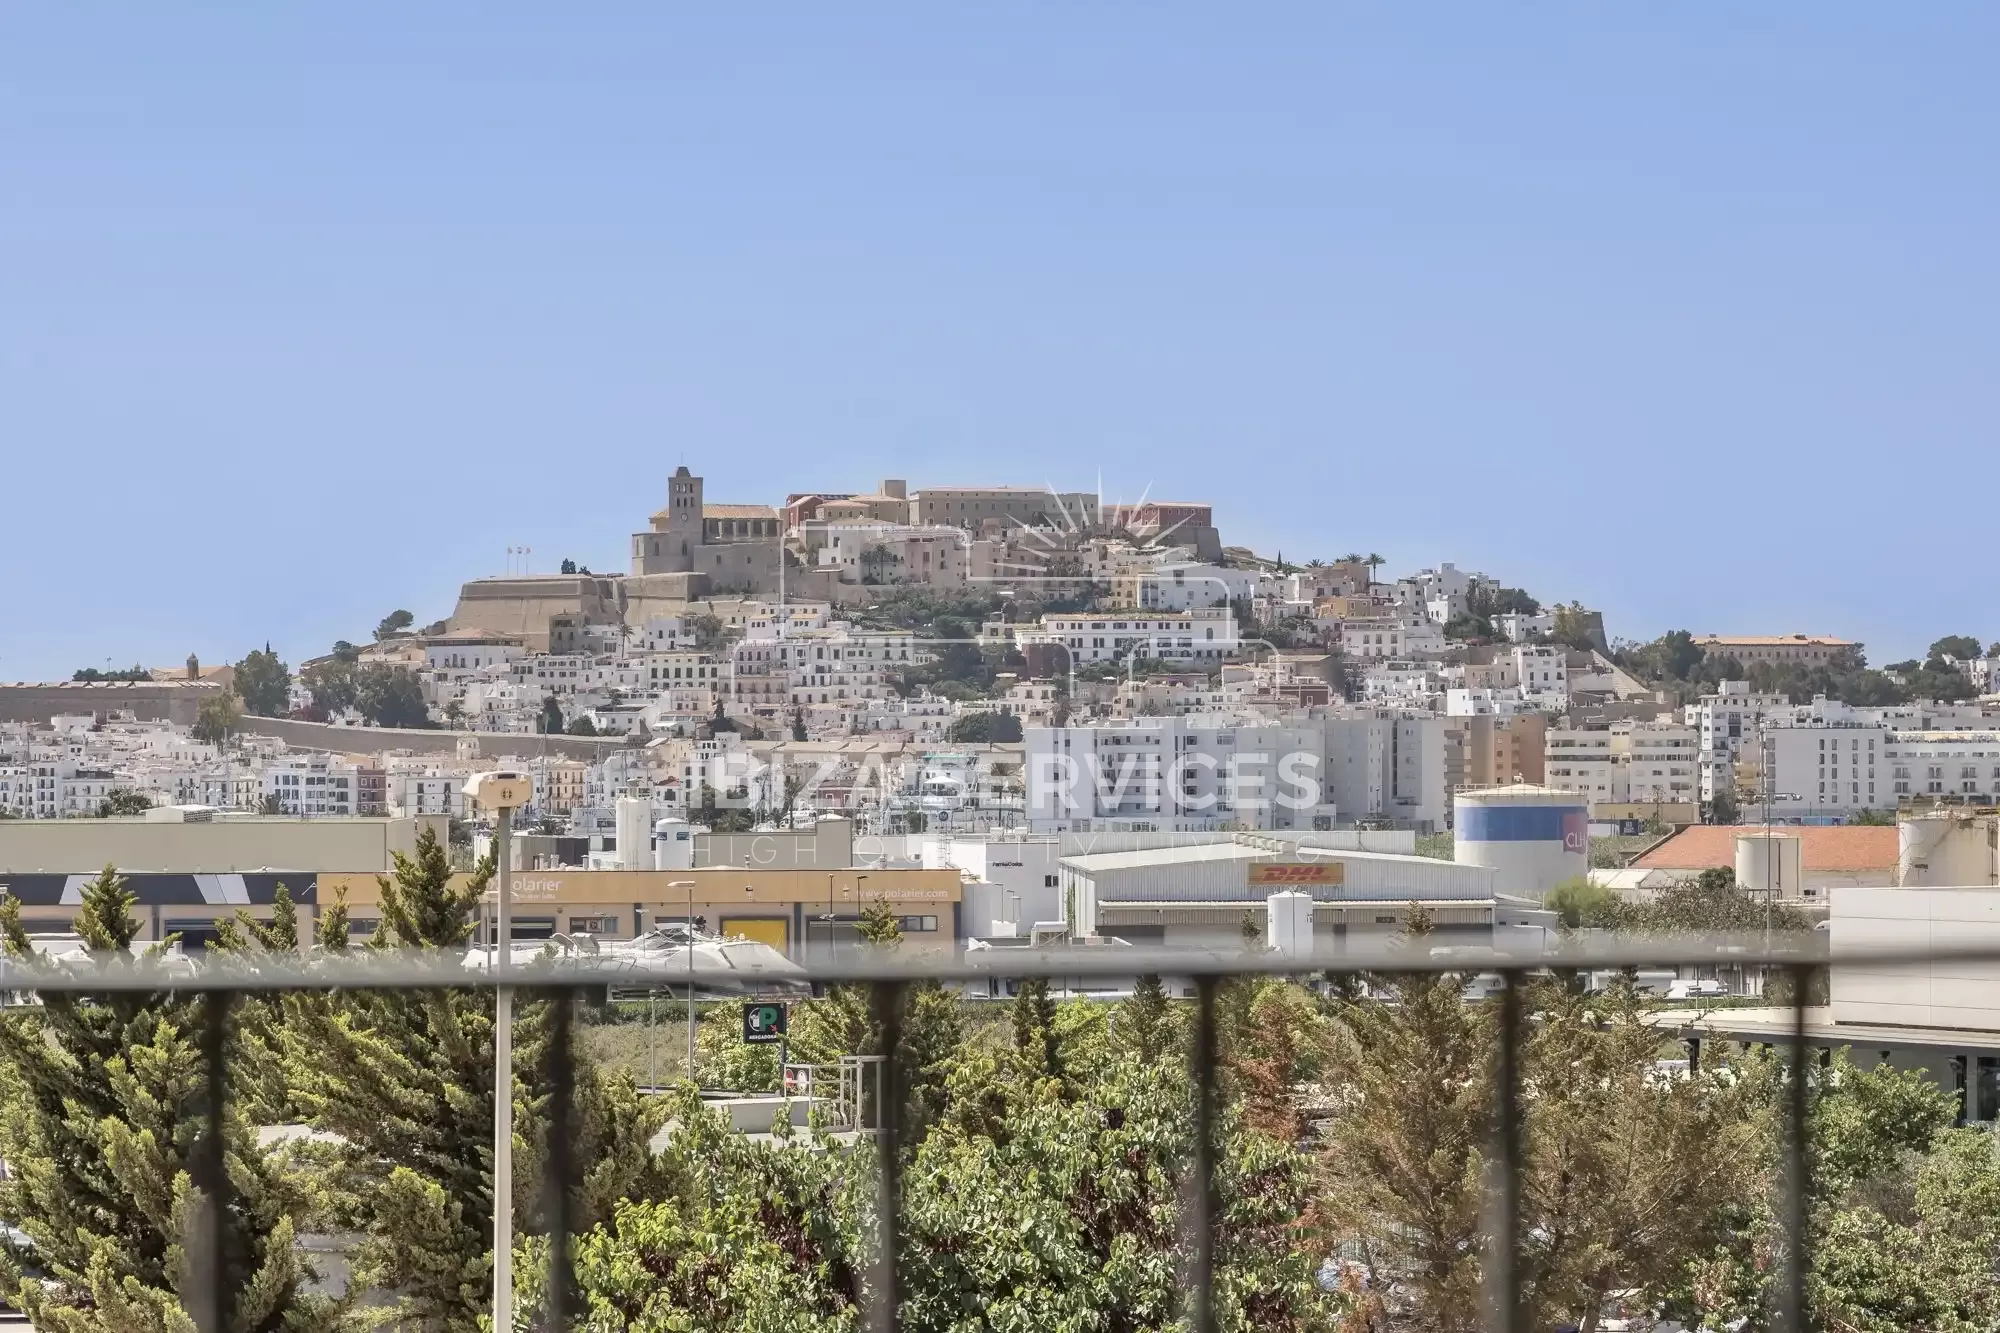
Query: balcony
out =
(898, 1256)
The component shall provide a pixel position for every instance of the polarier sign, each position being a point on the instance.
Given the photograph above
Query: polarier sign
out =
(763, 1023)
(1297, 872)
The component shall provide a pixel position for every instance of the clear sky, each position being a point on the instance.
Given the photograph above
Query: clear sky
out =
(309, 311)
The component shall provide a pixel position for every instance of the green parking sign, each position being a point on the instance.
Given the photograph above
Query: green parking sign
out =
(763, 1022)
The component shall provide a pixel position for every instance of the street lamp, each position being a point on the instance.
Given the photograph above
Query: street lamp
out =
(689, 884)
(503, 793)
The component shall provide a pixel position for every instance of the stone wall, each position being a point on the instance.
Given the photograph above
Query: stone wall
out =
(372, 740)
(149, 701)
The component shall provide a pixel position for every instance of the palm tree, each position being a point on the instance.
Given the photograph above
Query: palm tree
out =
(1315, 563)
(1374, 562)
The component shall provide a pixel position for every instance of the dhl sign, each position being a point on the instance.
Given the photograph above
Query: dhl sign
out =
(1297, 872)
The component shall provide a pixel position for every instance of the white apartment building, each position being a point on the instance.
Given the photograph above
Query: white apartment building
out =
(1504, 702)
(1520, 627)
(661, 672)
(558, 673)
(1729, 723)
(1175, 775)
(470, 652)
(48, 788)
(1388, 767)
(838, 664)
(1440, 594)
(314, 784)
(934, 556)
(1541, 672)
(1390, 681)
(1202, 635)
(1377, 637)
(1181, 586)
(1954, 766)
(1656, 763)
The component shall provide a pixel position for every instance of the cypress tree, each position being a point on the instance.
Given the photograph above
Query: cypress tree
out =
(103, 1112)
(1144, 1021)
(406, 1082)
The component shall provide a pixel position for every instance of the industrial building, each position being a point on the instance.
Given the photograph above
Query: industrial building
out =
(199, 841)
(798, 912)
(1200, 895)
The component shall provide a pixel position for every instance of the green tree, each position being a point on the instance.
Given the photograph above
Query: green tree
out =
(1144, 1024)
(134, 672)
(551, 722)
(394, 624)
(217, 718)
(104, 1114)
(581, 725)
(1629, 1177)
(391, 697)
(739, 1237)
(264, 683)
(1959, 647)
(122, 801)
(335, 683)
(985, 729)
(568, 567)
(1404, 1150)
(406, 1082)
(1579, 903)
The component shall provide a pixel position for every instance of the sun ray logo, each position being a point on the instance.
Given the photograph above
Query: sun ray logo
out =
(1056, 551)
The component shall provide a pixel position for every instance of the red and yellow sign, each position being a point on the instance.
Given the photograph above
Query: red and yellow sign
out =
(1297, 872)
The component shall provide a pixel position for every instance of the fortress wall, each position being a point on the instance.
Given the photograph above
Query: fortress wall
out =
(372, 740)
(150, 701)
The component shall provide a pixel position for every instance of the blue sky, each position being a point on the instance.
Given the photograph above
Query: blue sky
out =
(309, 311)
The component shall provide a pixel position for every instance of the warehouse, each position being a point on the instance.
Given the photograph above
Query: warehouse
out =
(1202, 894)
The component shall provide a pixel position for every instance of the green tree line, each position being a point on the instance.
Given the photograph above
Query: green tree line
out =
(1046, 1171)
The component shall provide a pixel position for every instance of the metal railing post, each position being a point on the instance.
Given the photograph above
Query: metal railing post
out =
(211, 1170)
(1792, 1297)
(1202, 1278)
(1504, 1257)
(886, 998)
(561, 1156)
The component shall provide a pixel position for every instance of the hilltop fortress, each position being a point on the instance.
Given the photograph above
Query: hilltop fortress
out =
(838, 548)
(689, 551)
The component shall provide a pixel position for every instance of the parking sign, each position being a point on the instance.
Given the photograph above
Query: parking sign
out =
(763, 1022)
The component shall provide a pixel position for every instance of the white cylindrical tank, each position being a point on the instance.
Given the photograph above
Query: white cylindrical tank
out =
(1533, 838)
(1288, 923)
(1940, 851)
(1771, 862)
(673, 845)
(634, 816)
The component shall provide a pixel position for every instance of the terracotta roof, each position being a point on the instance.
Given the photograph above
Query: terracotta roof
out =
(1823, 847)
(1774, 640)
(738, 511)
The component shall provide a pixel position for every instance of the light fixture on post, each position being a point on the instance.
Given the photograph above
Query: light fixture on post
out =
(503, 793)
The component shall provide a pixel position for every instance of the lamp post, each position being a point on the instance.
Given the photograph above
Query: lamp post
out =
(688, 884)
(503, 793)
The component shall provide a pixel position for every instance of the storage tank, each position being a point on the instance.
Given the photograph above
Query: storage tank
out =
(1771, 862)
(1944, 851)
(1532, 838)
(1288, 923)
(673, 845)
(634, 824)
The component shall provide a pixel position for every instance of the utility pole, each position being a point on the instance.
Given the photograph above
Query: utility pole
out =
(503, 793)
